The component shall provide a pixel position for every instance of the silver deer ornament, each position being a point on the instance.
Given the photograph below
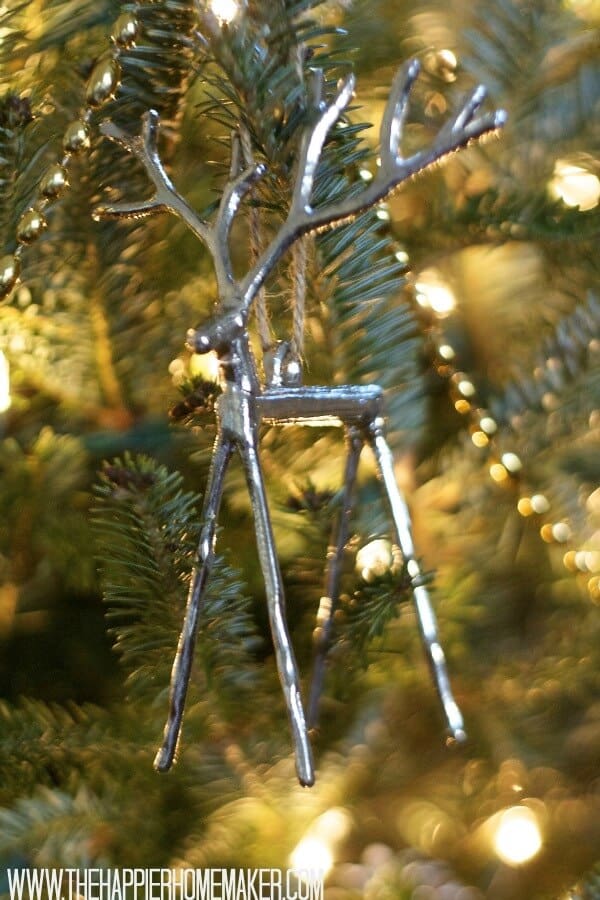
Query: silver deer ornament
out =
(245, 403)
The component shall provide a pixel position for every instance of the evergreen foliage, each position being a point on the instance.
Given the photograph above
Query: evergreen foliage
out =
(94, 337)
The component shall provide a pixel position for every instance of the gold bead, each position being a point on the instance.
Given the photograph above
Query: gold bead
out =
(30, 227)
(125, 30)
(77, 137)
(10, 269)
(54, 182)
(103, 82)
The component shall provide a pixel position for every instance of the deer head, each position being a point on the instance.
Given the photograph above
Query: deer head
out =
(227, 333)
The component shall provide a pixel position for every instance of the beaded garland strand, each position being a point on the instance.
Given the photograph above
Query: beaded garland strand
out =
(506, 467)
(101, 87)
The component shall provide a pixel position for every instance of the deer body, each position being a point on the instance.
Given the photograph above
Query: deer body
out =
(245, 403)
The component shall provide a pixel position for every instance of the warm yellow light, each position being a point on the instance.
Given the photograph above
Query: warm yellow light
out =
(225, 10)
(585, 9)
(525, 507)
(432, 292)
(312, 854)
(206, 365)
(5, 398)
(517, 838)
(480, 439)
(574, 185)
(498, 472)
(462, 406)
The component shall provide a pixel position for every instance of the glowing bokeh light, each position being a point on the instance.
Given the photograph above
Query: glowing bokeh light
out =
(225, 10)
(517, 838)
(312, 854)
(205, 365)
(433, 293)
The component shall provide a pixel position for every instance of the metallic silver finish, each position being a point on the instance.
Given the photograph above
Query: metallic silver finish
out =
(424, 609)
(339, 539)
(182, 664)
(245, 403)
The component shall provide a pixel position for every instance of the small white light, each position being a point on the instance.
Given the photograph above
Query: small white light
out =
(446, 352)
(225, 10)
(488, 425)
(574, 185)
(5, 398)
(365, 174)
(561, 532)
(540, 504)
(592, 560)
(517, 838)
(511, 462)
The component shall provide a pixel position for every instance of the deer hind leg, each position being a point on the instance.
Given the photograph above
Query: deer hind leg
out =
(284, 653)
(182, 664)
(425, 614)
(329, 602)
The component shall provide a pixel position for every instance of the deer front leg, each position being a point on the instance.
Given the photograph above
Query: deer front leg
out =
(425, 614)
(182, 664)
(284, 654)
(335, 554)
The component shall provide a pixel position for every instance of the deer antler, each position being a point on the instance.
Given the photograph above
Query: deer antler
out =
(214, 236)
(394, 168)
(302, 217)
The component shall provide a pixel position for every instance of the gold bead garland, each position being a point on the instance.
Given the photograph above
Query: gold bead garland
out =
(30, 226)
(101, 87)
(506, 468)
(10, 269)
(103, 82)
(53, 183)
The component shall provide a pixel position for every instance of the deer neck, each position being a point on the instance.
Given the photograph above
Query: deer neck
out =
(238, 367)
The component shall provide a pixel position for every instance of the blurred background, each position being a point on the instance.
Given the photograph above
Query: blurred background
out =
(471, 296)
